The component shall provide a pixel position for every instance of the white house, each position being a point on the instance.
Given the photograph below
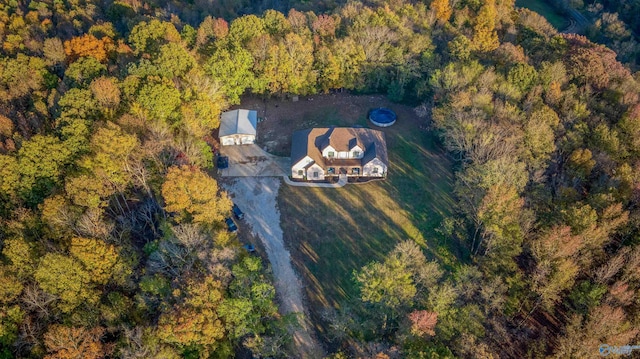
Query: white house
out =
(319, 153)
(238, 127)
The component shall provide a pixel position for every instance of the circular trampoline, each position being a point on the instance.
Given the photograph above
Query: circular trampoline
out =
(382, 117)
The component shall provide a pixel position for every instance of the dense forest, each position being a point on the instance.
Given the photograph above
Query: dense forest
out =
(111, 232)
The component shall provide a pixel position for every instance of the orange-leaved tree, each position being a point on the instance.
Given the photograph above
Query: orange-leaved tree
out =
(74, 342)
(442, 9)
(88, 45)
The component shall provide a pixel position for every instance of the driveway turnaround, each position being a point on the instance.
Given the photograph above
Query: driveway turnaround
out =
(253, 161)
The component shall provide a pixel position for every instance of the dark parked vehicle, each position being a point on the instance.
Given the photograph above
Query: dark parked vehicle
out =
(237, 212)
(222, 162)
(231, 225)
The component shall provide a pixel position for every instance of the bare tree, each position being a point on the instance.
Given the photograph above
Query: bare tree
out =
(191, 236)
(612, 266)
(93, 224)
(632, 268)
(31, 331)
(171, 258)
(37, 300)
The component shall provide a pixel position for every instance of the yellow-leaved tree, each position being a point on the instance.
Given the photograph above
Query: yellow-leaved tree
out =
(485, 36)
(193, 196)
(98, 258)
(442, 9)
(195, 321)
(65, 278)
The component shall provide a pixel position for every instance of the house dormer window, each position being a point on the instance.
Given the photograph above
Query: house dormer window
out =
(331, 154)
(356, 154)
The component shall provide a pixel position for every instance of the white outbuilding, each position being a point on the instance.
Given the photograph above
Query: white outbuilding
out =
(238, 127)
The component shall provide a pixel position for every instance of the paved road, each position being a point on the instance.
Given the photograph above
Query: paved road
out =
(577, 22)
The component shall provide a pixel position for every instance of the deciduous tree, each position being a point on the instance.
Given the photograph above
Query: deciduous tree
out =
(442, 9)
(423, 322)
(64, 277)
(21, 75)
(9, 175)
(485, 37)
(88, 45)
(250, 302)
(245, 28)
(325, 26)
(41, 161)
(556, 268)
(389, 283)
(211, 29)
(98, 258)
(21, 255)
(147, 37)
(232, 69)
(54, 51)
(106, 92)
(112, 150)
(174, 60)
(193, 195)
(11, 286)
(64, 342)
(195, 321)
(605, 324)
(82, 71)
(275, 23)
(289, 67)
(161, 100)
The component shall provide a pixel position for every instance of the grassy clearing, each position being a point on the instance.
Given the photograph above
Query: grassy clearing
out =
(547, 11)
(332, 232)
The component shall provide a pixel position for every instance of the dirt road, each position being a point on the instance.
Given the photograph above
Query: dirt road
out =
(256, 196)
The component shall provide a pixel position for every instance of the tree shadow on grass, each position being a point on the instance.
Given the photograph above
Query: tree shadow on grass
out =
(333, 232)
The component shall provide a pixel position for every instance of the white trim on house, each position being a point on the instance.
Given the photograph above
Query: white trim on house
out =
(315, 173)
(374, 168)
(300, 166)
(327, 150)
(356, 152)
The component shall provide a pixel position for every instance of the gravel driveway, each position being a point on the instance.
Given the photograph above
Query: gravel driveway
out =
(256, 196)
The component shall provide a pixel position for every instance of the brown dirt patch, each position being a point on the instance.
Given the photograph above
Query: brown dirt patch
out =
(280, 117)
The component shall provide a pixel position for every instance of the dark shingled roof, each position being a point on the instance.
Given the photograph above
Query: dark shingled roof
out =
(310, 142)
(299, 142)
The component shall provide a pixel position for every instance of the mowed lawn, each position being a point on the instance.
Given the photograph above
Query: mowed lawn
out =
(546, 10)
(332, 232)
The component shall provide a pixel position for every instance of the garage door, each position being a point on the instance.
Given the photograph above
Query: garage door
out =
(226, 141)
(247, 140)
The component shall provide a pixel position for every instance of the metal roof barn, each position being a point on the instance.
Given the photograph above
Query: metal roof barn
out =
(238, 127)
